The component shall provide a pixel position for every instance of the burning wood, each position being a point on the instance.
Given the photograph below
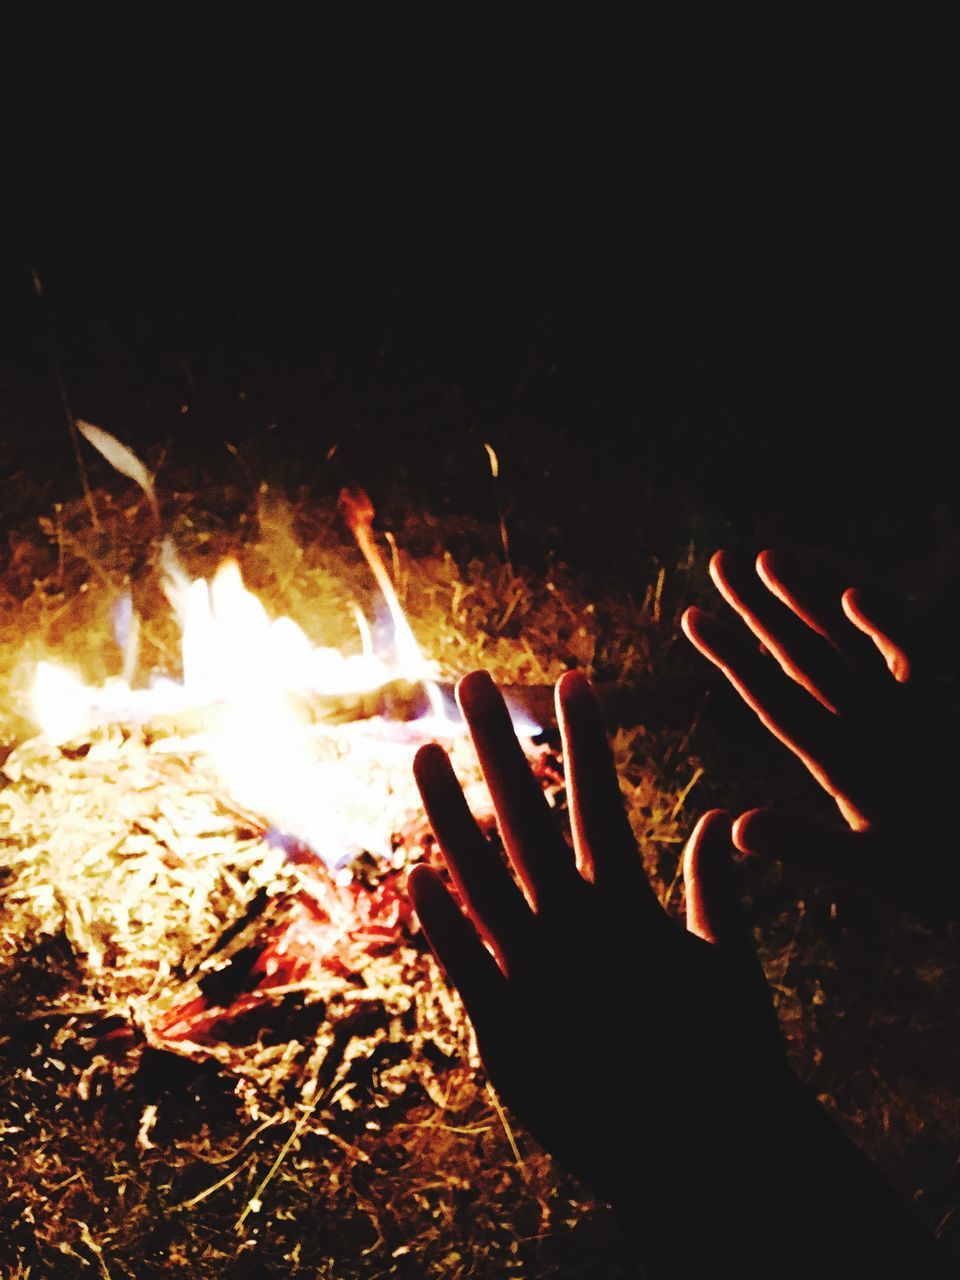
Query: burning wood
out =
(400, 701)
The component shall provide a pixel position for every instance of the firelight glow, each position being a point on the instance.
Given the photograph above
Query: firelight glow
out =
(246, 680)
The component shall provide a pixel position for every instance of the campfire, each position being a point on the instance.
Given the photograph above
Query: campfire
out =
(308, 751)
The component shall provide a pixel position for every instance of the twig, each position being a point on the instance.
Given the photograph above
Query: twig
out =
(227, 1178)
(658, 594)
(681, 799)
(787, 957)
(253, 1204)
(86, 1235)
(395, 556)
(507, 1130)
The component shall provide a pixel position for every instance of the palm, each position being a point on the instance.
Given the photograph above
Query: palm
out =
(569, 1048)
(834, 683)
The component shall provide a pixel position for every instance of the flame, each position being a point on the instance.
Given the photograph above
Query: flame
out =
(357, 510)
(245, 679)
(255, 698)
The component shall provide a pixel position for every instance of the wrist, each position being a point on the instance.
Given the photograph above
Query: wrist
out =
(778, 1191)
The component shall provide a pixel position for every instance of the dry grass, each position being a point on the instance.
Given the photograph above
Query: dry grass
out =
(347, 1129)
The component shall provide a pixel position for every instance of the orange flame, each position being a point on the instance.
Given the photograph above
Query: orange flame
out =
(244, 670)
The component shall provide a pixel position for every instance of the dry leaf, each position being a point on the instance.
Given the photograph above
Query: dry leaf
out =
(123, 459)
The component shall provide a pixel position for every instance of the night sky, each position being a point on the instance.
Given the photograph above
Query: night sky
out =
(690, 255)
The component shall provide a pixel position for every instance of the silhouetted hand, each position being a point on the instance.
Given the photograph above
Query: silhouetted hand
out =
(644, 1054)
(836, 686)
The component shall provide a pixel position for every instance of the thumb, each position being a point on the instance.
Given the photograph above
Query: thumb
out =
(714, 914)
(710, 885)
(838, 853)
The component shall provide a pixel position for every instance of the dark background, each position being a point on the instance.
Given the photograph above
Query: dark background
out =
(691, 269)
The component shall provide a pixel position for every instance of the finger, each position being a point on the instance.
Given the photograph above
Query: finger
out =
(819, 605)
(531, 835)
(710, 884)
(867, 613)
(488, 890)
(467, 963)
(802, 652)
(603, 839)
(714, 911)
(801, 724)
(836, 853)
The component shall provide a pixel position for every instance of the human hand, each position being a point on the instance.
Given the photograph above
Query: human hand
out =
(644, 1054)
(836, 685)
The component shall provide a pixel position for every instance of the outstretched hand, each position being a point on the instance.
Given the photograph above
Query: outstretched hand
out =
(593, 998)
(832, 678)
(643, 1053)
